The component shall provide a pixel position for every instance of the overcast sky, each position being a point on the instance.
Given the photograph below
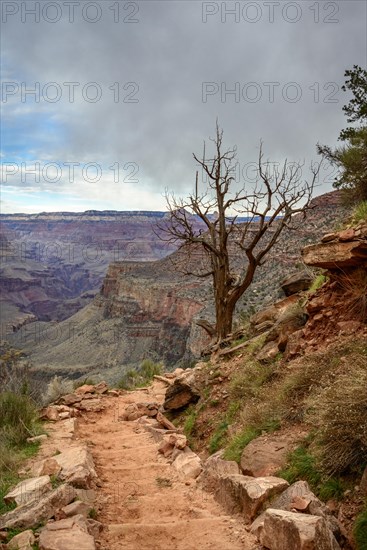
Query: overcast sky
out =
(129, 90)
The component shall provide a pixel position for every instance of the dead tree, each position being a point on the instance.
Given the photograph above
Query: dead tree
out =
(269, 208)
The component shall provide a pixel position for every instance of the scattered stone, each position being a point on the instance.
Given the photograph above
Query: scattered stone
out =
(187, 464)
(335, 255)
(346, 235)
(49, 413)
(28, 490)
(67, 534)
(94, 527)
(113, 393)
(165, 422)
(77, 467)
(48, 467)
(71, 399)
(177, 440)
(37, 438)
(267, 454)
(182, 392)
(299, 497)
(90, 405)
(39, 510)
(76, 508)
(101, 387)
(215, 468)
(329, 237)
(23, 541)
(284, 529)
(165, 448)
(86, 388)
(248, 495)
(296, 283)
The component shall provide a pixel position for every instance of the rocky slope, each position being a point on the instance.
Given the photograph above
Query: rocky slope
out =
(148, 309)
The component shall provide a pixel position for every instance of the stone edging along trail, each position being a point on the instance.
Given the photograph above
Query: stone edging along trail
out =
(143, 502)
(115, 474)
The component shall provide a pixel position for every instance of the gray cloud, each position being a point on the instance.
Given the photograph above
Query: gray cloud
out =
(169, 53)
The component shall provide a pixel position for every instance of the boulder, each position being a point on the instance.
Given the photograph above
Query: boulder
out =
(266, 454)
(77, 467)
(248, 495)
(187, 464)
(29, 489)
(67, 534)
(49, 413)
(299, 498)
(76, 508)
(71, 399)
(86, 388)
(48, 467)
(295, 531)
(296, 283)
(137, 410)
(182, 392)
(334, 255)
(40, 510)
(23, 541)
(214, 468)
(90, 404)
(101, 387)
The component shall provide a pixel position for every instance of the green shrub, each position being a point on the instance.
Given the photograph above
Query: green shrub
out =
(191, 416)
(56, 388)
(339, 412)
(18, 419)
(317, 283)
(137, 378)
(301, 465)
(360, 212)
(217, 439)
(360, 530)
(238, 442)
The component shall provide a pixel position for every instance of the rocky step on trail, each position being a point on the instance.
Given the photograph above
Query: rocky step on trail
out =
(114, 473)
(110, 468)
(143, 503)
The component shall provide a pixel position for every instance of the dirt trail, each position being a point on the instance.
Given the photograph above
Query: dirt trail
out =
(143, 505)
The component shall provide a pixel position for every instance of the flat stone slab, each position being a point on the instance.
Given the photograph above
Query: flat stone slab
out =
(248, 495)
(32, 513)
(77, 467)
(23, 541)
(29, 489)
(67, 534)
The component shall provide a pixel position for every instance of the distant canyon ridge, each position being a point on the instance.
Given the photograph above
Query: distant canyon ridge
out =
(97, 292)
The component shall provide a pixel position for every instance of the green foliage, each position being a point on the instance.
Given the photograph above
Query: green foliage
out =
(191, 417)
(360, 530)
(238, 442)
(338, 411)
(356, 109)
(317, 283)
(247, 382)
(138, 378)
(351, 158)
(218, 438)
(18, 418)
(301, 465)
(360, 212)
(332, 488)
(92, 513)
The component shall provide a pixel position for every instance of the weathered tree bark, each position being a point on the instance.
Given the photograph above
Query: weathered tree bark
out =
(276, 198)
